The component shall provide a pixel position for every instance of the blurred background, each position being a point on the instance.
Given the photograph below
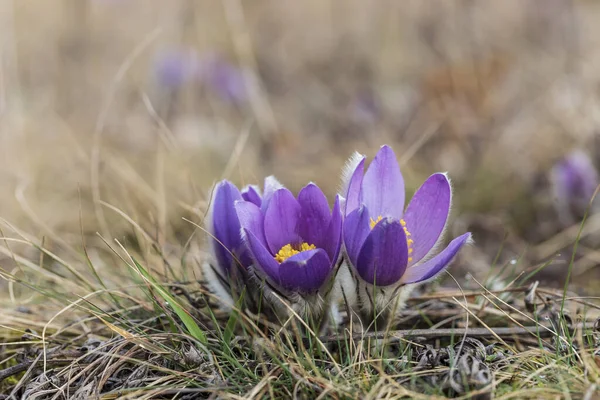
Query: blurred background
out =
(117, 113)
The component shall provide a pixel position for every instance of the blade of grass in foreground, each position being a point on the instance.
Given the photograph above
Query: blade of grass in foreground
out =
(233, 319)
(186, 318)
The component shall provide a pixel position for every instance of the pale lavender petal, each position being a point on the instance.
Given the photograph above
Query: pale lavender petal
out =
(265, 261)
(315, 215)
(432, 267)
(251, 193)
(354, 186)
(356, 228)
(384, 255)
(227, 241)
(427, 214)
(281, 220)
(383, 186)
(251, 219)
(306, 271)
(333, 238)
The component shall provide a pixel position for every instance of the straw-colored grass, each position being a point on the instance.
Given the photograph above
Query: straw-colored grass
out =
(105, 175)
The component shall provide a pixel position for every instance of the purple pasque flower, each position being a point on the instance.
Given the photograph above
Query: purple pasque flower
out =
(227, 245)
(223, 78)
(295, 242)
(386, 244)
(574, 180)
(174, 68)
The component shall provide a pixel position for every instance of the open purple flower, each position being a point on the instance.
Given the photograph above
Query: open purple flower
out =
(384, 243)
(227, 245)
(295, 242)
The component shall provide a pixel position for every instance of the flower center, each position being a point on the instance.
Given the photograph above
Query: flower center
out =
(409, 241)
(288, 250)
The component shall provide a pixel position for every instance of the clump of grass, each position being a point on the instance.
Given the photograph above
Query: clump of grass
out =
(162, 334)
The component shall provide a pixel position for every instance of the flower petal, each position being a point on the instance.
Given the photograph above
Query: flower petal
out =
(251, 193)
(432, 267)
(251, 219)
(265, 261)
(333, 237)
(315, 215)
(281, 220)
(225, 226)
(383, 257)
(355, 231)
(383, 186)
(354, 183)
(271, 186)
(305, 271)
(427, 214)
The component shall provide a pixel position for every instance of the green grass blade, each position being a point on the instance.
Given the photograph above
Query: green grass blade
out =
(186, 318)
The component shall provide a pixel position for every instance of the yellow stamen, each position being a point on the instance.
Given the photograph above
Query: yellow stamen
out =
(409, 241)
(375, 221)
(288, 250)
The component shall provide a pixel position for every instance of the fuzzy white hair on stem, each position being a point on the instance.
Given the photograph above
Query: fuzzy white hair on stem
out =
(272, 184)
(348, 170)
(214, 283)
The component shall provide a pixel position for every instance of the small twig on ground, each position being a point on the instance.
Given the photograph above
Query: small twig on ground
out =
(63, 357)
(450, 294)
(393, 336)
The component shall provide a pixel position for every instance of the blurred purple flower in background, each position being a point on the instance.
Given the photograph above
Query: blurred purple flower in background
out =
(295, 242)
(365, 108)
(574, 180)
(176, 68)
(385, 244)
(223, 78)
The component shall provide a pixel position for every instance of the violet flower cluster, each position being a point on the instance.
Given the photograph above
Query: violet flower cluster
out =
(296, 244)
